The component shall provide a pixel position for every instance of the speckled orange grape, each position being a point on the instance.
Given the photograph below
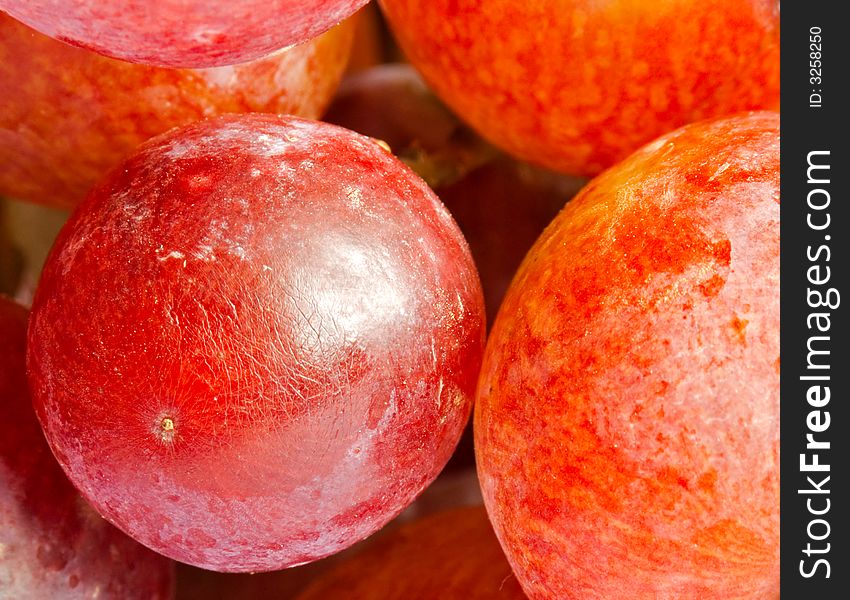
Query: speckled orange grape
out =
(627, 417)
(576, 85)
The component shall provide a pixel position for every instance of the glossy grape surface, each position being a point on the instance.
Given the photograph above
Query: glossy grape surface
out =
(52, 544)
(182, 33)
(256, 342)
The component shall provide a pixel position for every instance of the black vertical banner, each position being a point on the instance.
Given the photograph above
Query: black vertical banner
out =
(815, 230)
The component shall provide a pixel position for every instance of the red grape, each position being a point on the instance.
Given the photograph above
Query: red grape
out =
(52, 544)
(256, 342)
(68, 116)
(627, 424)
(182, 33)
(452, 554)
(500, 205)
(576, 85)
(450, 490)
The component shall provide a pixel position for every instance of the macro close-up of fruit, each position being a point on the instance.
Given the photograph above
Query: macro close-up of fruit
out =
(68, 116)
(53, 545)
(576, 85)
(627, 418)
(295, 311)
(452, 554)
(182, 33)
(390, 300)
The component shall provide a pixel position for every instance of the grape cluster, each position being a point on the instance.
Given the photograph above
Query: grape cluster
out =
(258, 337)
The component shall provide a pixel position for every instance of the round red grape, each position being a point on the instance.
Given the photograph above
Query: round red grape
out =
(182, 33)
(52, 544)
(577, 85)
(256, 342)
(627, 424)
(68, 116)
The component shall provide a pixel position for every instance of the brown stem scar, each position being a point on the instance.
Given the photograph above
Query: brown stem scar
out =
(166, 429)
